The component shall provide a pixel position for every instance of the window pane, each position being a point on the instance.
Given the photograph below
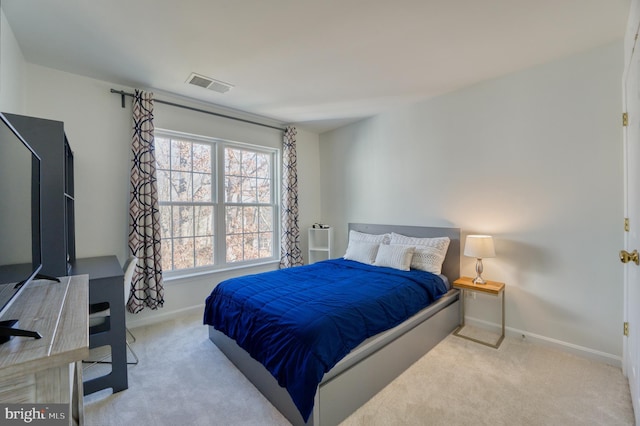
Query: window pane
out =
(234, 248)
(183, 221)
(180, 155)
(264, 190)
(250, 215)
(164, 185)
(201, 158)
(204, 221)
(162, 148)
(248, 164)
(201, 187)
(263, 166)
(232, 162)
(233, 189)
(249, 194)
(251, 238)
(266, 244)
(183, 253)
(165, 221)
(251, 247)
(266, 219)
(181, 186)
(233, 219)
(204, 251)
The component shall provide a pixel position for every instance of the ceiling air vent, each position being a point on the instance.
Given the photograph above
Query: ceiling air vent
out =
(209, 83)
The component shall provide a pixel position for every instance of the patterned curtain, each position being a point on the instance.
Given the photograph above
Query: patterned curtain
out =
(144, 217)
(291, 255)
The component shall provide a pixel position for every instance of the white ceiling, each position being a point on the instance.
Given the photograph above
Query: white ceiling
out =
(317, 63)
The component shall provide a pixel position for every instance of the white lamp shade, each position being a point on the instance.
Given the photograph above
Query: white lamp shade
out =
(479, 246)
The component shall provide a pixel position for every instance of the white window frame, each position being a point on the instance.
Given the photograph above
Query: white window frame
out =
(219, 203)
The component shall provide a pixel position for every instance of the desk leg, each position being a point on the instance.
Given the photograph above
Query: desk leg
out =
(112, 335)
(77, 404)
(119, 349)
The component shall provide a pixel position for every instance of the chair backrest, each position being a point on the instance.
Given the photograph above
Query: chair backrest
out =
(129, 267)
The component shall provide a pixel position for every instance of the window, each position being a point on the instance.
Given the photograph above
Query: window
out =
(217, 202)
(248, 207)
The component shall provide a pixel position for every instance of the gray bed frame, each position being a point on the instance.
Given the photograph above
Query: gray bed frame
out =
(374, 363)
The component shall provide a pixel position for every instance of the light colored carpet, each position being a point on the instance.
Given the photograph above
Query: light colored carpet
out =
(183, 379)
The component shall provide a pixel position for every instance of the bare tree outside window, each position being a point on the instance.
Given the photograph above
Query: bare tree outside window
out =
(249, 210)
(186, 170)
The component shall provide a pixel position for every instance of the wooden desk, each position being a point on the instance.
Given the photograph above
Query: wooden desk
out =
(106, 284)
(48, 370)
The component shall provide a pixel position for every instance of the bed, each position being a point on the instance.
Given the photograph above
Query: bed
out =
(361, 371)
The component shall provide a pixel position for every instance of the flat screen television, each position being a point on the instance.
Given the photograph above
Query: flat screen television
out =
(20, 241)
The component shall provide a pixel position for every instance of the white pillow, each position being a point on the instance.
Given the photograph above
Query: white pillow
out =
(362, 251)
(369, 238)
(394, 256)
(429, 252)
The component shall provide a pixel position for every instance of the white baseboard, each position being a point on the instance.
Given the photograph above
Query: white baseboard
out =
(160, 316)
(571, 348)
(577, 350)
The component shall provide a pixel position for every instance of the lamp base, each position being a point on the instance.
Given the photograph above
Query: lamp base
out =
(479, 280)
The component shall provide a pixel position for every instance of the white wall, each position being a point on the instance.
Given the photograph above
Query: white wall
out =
(12, 67)
(533, 158)
(99, 132)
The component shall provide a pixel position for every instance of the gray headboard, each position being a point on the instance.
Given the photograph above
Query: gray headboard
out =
(451, 265)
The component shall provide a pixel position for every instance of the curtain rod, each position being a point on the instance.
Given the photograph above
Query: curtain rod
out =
(123, 94)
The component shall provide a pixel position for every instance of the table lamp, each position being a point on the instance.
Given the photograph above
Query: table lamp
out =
(480, 247)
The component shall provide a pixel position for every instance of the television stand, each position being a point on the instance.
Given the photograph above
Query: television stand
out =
(7, 331)
(48, 370)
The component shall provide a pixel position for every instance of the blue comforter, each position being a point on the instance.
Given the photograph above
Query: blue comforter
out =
(299, 322)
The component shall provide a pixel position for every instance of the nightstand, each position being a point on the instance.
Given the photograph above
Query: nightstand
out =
(491, 287)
